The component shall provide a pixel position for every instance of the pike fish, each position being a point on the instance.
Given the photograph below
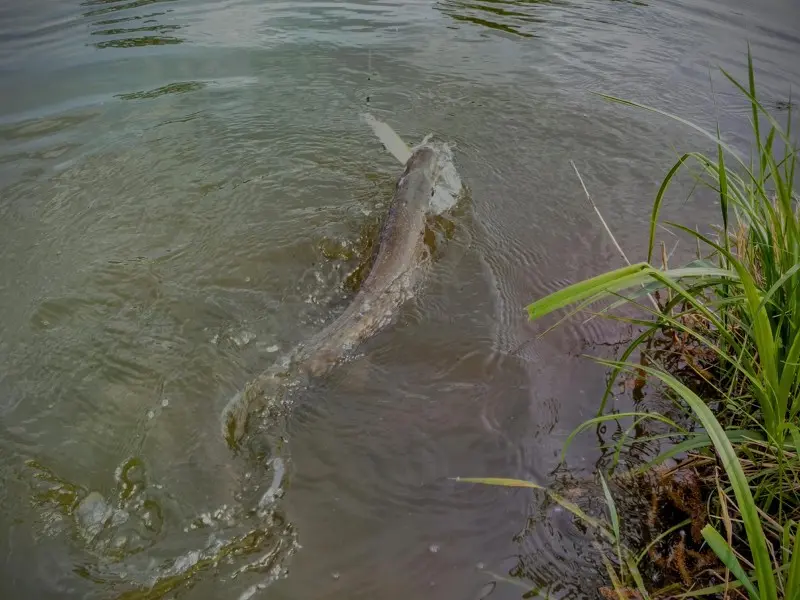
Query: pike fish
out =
(397, 271)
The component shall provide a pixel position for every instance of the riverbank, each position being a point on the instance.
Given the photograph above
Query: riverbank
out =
(720, 339)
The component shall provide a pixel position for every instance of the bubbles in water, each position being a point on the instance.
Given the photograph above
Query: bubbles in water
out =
(243, 338)
(230, 336)
(119, 530)
(252, 591)
(274, 491)
(91, 515)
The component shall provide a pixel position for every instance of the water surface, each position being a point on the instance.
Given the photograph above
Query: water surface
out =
(173, 175)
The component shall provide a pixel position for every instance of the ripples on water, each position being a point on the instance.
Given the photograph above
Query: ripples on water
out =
(183, 185)
(518, 17)
(128, 30)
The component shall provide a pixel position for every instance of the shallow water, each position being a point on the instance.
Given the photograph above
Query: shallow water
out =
(170, 172)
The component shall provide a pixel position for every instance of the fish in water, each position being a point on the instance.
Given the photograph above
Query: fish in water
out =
(397, 270)
(427, 186)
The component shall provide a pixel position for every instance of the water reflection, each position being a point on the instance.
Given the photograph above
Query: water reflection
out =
(517, 17)
(522, 18)
(179, 87)
(115, 5)
(155, 33)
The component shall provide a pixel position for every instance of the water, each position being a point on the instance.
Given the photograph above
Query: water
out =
(170, 173)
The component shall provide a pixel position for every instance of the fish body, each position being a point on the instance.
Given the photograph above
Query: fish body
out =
(395, 273)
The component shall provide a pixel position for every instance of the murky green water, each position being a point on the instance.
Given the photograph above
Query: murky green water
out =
(173, 175)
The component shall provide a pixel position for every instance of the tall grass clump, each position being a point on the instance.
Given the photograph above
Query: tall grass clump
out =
(722, 340)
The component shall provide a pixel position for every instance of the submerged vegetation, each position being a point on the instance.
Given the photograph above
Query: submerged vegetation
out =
(720, 338)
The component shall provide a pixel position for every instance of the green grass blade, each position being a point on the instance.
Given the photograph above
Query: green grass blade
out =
(698, 441)
(660, 537)
(708, 241)
(612, 508)
(570, 506)
(696, 302)
(756, 108)
(723, 186)
(600, 286)
(502, 482)
(713, 590)
(612, 378)
(615, 417)
(614, 280)
(619, 589)
(793, 577)
(657, 204)
(633, 569)
(794, 434)
(789, 378)
(614, 517)
(751, 78)
(682, 272)
(762, 334)
(729, 149)
(778, 285)
(765, 343)
(725, 553)
(676, 324)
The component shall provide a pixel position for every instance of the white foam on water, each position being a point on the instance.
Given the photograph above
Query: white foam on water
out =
(447, 187)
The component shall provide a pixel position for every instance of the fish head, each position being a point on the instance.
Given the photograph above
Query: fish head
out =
(433, 161)
(424, 161)
(419, 177)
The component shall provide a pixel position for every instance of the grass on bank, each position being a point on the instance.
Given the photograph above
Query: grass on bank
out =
(723, 341)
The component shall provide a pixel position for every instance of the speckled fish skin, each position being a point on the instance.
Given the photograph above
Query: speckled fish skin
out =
(396, 272)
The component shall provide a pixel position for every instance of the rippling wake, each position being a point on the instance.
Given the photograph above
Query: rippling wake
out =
(254, 536)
